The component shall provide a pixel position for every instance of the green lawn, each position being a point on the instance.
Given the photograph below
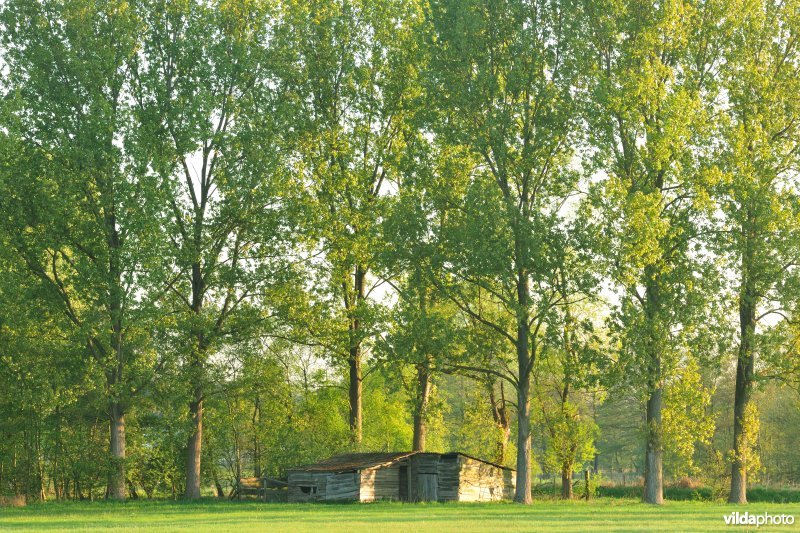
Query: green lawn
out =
(220, 516)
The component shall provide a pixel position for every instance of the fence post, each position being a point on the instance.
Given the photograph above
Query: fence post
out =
(588, 492)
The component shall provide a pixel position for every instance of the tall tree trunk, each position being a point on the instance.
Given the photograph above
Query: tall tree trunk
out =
(116, 485)
(117, 482)
(256, 432)
(354, 391)
(194, 447)
(568, 462)
(566, 481)
(522, 493)
(744, 383)
(42, 494)
(421, 405)
(654, 451)
(653, 477)
(58, 478)
(354, 359)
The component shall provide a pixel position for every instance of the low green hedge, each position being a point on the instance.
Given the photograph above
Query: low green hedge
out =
(755, 494)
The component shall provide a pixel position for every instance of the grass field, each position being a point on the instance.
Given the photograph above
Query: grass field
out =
(217, 517)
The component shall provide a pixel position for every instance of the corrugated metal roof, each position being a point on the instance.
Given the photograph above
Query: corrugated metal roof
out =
(359, 461)
(354, 461)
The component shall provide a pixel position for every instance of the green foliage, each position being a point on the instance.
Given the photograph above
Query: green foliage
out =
(687, 423)
(225, 226)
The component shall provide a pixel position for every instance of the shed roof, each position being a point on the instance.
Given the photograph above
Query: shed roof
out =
(358, 461)
(480, 460)
(354, 461)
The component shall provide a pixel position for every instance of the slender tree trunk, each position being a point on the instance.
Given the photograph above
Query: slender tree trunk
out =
(58, 481)
(117, 482)
(116, 486)
(653, 478)
(237, 453)
(566, 481)
(42, 494)
(654, 451)
(522, 493)
(421, 405)
(354, 389)
(256, 443)
(744, 385)
(194, 447)
(354, 359)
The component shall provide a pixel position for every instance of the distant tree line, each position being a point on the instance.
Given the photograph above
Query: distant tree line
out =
(241, 235)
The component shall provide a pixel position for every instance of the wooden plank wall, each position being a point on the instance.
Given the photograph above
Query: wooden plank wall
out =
(482, 482)
(344, 486)
(421, 463)
(308, 479)
(458, 478)
(380, 483)
(448, 469)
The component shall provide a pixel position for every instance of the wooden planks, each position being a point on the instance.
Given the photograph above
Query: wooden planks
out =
(380, 483)
(412, 477)
(342, 486)
(307, 486)
(481, 482)
(449, 471)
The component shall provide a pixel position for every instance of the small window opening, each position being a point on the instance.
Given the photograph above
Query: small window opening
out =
(305, 489)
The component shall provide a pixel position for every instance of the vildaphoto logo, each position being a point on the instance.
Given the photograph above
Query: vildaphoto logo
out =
(764, 519)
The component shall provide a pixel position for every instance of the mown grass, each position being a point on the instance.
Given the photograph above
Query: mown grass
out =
(604, 514)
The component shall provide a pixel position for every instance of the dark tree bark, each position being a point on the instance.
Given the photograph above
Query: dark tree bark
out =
(116, 486)
(654, 451)
(256, 442)
(421, 405)
(194, 448)
(744, 377)
(114, 375)
(522, 494)
(525, 362)
(653, 478)
(566, 480)
(354, 360)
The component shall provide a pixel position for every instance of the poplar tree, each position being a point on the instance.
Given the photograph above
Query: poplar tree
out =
(760, 157)
(504, 81)
(349, 68)
(77, 211)
(654, 67)
(206, 112)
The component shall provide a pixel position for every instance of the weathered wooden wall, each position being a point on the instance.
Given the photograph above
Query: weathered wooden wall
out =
(299, 479)
(448, 470)
(481, 482)
(344, 486)
(429, 476)
(380, 483)
(423, 472)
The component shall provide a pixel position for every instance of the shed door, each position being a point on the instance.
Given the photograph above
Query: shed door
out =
(403, 483)
(427, 487)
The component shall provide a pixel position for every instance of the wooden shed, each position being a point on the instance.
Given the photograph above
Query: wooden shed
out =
(403, 476)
